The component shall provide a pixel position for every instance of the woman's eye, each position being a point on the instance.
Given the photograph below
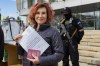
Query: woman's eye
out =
(43, 13)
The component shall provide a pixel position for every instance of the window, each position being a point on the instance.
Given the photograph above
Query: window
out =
(24, 4)
(57, 0)
(88, 20)
(30, 3)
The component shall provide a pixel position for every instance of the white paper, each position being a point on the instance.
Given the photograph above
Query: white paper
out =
(32, 40)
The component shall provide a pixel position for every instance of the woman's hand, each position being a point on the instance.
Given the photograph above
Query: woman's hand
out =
(35, 60)
(17, 37)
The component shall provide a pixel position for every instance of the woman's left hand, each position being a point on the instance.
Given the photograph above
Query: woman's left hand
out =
(35, 60)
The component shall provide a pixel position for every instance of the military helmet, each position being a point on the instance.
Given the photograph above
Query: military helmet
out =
(66, 10)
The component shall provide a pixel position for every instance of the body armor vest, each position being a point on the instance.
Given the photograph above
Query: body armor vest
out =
(70, 27)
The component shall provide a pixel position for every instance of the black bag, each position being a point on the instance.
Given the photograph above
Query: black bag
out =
(80, 36)
(20, 50)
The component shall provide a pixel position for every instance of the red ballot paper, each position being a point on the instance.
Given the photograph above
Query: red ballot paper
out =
(32, 51)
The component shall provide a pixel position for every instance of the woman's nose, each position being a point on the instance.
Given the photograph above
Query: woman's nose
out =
(40, 15)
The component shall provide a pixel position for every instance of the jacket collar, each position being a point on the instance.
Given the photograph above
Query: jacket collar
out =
(43, 27)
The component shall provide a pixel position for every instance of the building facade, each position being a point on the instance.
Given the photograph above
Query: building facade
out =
(87, 10)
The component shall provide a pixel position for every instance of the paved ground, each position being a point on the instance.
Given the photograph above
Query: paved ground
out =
(60, 63)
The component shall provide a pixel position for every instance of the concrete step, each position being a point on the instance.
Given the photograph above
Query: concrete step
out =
(90, 60)
(89, 48)
(90, 44)
(81, 64)
(92, 32)
(97, 36)
(89, 54)
(91, 40)
(85, 64)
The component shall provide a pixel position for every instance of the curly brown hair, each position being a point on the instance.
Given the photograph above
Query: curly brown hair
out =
(34, 8)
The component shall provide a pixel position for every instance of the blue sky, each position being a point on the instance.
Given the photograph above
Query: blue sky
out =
(8, 8)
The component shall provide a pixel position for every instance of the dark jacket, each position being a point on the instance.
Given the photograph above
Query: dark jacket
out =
(72, 28)
(54, 53)
(1, 44)
(78, 24)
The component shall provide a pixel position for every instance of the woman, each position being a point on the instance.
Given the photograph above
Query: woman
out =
(40, 17)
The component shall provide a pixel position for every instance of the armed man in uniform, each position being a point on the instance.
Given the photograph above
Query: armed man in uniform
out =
(71, 32)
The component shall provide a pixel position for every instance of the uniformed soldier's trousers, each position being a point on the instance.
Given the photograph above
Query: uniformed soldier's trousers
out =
(72, 51)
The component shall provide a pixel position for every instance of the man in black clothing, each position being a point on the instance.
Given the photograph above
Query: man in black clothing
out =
(75, 29)
(1, 44)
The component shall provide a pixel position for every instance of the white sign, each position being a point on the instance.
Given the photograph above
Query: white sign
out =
(32, 40)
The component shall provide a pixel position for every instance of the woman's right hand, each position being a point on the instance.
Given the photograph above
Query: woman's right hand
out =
(17, 37)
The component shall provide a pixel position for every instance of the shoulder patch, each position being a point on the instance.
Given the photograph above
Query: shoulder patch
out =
(79, 22)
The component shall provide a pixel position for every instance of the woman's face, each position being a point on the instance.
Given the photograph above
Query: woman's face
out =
(41, 16)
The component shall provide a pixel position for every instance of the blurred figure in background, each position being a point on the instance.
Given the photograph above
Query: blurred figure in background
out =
(1, 44)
